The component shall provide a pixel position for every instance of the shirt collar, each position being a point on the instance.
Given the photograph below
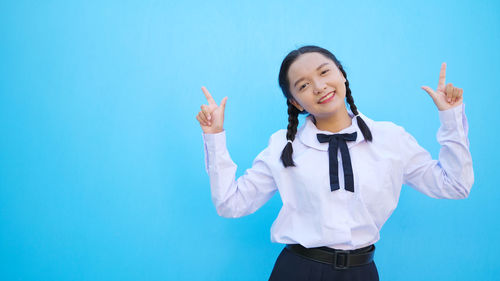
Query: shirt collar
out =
(307, 133)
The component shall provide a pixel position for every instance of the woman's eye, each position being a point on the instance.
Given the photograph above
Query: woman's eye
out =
(324, 71)
(301, 87)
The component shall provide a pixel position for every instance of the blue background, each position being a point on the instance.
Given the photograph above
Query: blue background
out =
(102, 171)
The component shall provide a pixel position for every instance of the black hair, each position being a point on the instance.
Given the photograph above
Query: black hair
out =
(293, 112)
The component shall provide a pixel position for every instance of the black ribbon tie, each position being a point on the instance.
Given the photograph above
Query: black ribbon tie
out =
(338, 141)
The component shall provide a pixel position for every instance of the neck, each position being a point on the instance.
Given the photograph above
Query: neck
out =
(334, 123)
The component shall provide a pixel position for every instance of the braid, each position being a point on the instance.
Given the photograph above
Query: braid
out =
(367, 134)
(293, 122)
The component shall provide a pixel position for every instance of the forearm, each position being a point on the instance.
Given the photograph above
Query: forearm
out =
(235, 197)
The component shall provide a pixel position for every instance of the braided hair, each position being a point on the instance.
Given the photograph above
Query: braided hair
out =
(293, 112)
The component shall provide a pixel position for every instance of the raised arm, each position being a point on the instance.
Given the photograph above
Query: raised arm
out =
(452, 175)
(232, 197)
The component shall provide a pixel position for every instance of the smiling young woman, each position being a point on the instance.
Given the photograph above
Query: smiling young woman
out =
(340, 182)
(320, 92)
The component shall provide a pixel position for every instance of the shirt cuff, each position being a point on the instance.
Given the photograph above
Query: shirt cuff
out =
(213, 143)
(452, 117)
(455, 119)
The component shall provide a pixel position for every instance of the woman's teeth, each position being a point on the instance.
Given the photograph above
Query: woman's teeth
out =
(327, 97)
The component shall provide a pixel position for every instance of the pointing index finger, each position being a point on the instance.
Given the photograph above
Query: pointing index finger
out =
(207, 95)
(442, 77)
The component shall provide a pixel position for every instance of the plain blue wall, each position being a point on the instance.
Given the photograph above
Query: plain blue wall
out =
(102, 172)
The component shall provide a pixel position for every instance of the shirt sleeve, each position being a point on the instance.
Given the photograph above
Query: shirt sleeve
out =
(452, 175)
(236, 197)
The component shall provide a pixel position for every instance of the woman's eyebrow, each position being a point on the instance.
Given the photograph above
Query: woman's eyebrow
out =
(320, 66)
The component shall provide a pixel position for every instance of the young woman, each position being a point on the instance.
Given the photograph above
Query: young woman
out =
(339, 175)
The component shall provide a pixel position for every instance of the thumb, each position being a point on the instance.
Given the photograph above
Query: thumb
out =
(429, 91)
(223, 104)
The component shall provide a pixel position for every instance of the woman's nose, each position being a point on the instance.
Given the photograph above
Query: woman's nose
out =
(319, 87)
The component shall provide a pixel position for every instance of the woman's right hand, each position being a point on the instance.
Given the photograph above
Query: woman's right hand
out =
(211, 116)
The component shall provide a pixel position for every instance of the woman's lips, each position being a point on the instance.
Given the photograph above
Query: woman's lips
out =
(327, 98)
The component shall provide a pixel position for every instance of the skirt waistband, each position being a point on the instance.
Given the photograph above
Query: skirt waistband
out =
(355, 251)
(339, 259)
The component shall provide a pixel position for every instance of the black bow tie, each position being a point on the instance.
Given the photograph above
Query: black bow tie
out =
(337, 141)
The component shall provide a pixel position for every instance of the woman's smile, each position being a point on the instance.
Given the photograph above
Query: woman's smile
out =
(328, 97)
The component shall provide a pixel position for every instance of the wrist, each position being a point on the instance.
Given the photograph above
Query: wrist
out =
(213, 132)
(449, 106)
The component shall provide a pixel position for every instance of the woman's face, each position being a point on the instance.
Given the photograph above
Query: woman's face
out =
(317, 85)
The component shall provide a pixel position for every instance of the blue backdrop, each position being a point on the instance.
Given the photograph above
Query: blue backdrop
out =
(102, 173)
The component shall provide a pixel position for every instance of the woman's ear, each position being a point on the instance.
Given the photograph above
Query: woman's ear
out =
(296, 104)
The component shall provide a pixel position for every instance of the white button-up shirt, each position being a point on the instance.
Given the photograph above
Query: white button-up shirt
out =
(314, 216)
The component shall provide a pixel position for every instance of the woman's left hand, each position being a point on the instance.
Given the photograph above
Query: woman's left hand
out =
(446, 96)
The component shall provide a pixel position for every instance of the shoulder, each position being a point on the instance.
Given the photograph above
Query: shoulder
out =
(280, 134)
(385, 130)
(387, 127)
(278, 139)
(276, 143)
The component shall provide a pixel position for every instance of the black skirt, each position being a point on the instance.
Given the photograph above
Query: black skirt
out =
(290, 266)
